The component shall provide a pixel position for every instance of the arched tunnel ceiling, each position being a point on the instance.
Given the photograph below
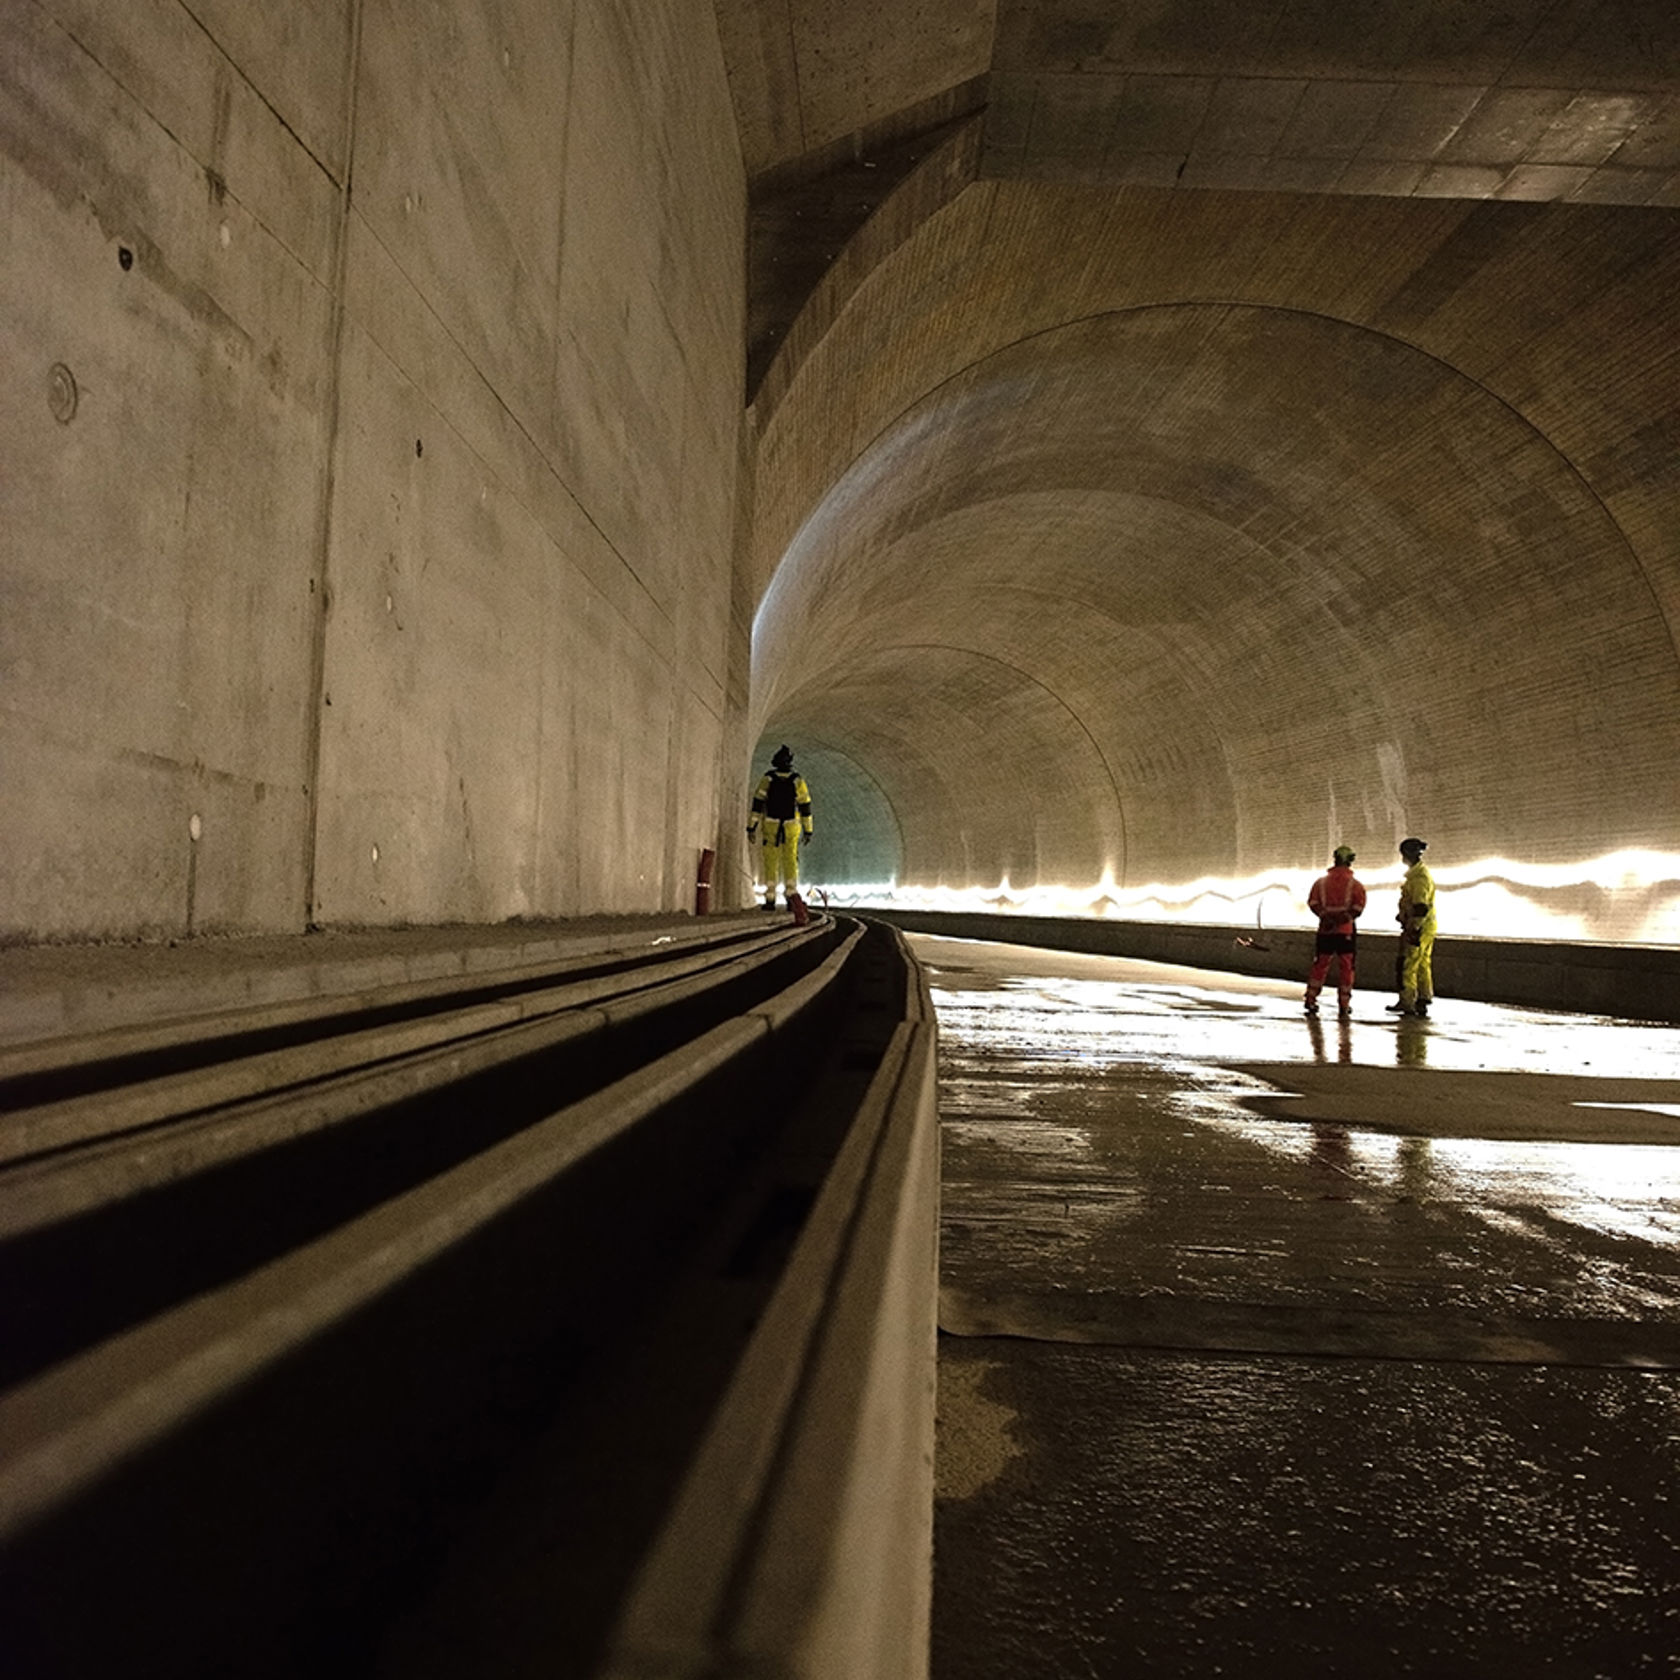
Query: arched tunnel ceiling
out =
(1526, 99)
(1177, 591)
(1126, 534)
(1567, 100)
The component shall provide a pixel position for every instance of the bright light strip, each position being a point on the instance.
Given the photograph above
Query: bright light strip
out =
(1626, 897)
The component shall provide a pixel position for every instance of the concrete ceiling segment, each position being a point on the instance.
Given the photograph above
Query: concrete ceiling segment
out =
(807, 73)
(836, 106)
(1339, 508)
(1548, 99)
(1561, 312)
(816, 230)
(1524, 100)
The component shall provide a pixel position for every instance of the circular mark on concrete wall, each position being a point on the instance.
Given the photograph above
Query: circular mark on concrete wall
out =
(62, 394)
(125, 258)
(195, 827)
(419, 448)
(376, 854)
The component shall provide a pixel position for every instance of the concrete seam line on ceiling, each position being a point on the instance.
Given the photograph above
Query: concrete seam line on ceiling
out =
(902, 415)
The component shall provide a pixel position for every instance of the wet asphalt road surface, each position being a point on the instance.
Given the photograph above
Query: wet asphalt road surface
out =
(1276, 1347)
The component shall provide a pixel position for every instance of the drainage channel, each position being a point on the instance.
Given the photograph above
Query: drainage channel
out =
(118, 1202)
(364, 1350)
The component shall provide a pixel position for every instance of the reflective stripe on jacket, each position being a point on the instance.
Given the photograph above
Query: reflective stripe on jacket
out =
(774, 789)
(1337, 898)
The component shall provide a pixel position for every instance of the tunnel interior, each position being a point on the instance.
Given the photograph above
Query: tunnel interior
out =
(1126, 451)
(1124, 447)
(1193, 590)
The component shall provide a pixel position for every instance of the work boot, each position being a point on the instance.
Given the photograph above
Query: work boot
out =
(1311, 1007)
(1421, 1010)
(1344, 1009)
(1398, 1009)
(770, 904)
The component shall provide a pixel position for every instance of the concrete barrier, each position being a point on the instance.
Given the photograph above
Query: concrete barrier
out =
(1638, 982)
(696, 1292)
(801, 1543)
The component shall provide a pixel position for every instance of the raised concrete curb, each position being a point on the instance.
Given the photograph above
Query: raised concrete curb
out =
(1636, 982)
(801, 1542)
(47, 991)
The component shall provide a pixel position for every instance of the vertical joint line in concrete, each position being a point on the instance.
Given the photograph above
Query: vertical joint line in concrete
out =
(798, 80)
(562, 168)
(316, 695)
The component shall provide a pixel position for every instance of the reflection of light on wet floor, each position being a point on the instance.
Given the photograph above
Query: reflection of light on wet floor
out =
(1105, 1022)
(1069, 1040)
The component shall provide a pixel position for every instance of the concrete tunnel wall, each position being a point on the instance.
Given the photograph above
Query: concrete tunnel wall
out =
(381, 526)
(370, 443)
(1263, 523)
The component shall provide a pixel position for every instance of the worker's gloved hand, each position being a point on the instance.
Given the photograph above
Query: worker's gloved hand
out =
(752, 833)
(809, 838)
(1414, 935)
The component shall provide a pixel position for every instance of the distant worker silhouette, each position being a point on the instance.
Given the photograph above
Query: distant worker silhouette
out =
(1338, 900)
(782, 808)
(1416, 916)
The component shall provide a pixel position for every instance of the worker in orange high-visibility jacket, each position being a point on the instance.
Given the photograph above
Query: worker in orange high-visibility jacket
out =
(1338, 900)
(781, 807)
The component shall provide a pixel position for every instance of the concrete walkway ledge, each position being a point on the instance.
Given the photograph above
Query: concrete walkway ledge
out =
(1633, 982)
(49, 991)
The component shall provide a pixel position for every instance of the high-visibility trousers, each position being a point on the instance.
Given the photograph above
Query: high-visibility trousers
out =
(1332, 950)
(781, 855)
(1417, 974)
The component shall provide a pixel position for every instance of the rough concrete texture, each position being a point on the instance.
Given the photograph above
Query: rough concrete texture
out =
(806, 74)
(1265, 523)
(1382, 1381)
(1535, 101)
(171, 251)
(384, 534)
(368, 558)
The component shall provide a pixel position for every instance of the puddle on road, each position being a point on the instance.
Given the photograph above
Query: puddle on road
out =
(1101, 1022)
(1046, 1079)
(1433, 1512)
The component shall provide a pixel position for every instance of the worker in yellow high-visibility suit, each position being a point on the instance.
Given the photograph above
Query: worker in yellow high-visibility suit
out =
(781, 807)
(1416, 917)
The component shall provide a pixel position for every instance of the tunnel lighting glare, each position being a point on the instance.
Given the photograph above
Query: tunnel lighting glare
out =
(1641, 1107)
(1616, 1190)
(1628, 897)
(855, 894)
